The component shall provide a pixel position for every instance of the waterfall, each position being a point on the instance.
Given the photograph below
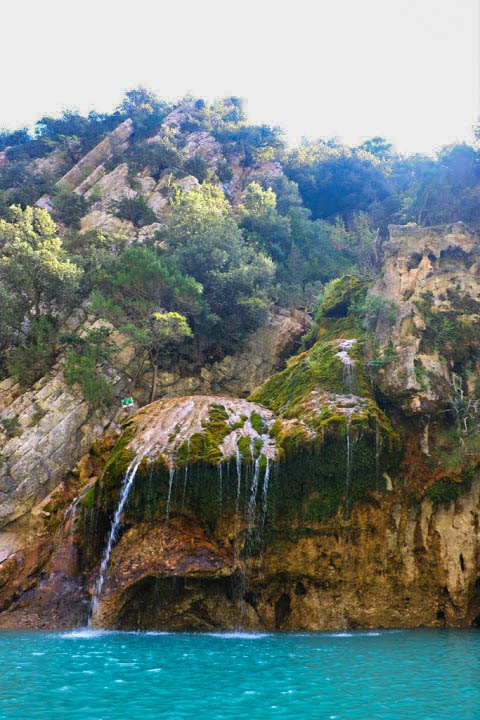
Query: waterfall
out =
(377, 453)
(265, 488)
(185, 477)
(252, 504)
(71, 512)
(220, 489)
(124, 493)
(171, 475)
(239, 483)
(186, 474)
(349, 375)
(348, 463)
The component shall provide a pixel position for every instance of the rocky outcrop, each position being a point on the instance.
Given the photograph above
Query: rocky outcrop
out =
(391, 566)
(431, 276)
(53, 428)
(343, 493)
(46, 429)
(93, 160)
(240, 374)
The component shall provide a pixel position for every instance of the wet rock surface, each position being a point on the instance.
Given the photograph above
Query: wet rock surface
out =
(343, 494)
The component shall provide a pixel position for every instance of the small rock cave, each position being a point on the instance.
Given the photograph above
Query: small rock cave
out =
(300, 589)
(178, 604)
(282, 610)
(414, 261)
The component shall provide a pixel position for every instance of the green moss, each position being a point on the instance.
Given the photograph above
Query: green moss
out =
(333, 312)
(453, 333)
(320, 366)
(205, 447)
(243, 445)
(89, 499)
(119, 460)
(446, 490)
(258, 423)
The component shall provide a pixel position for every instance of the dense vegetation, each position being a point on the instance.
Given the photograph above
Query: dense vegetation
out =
(194, 286)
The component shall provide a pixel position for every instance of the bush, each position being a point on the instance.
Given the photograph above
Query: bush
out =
(70, 207)
(368, 311)
(158, 156)
(197, 167)
(11, 426)
(136, 210)
(82, 365)
(224, 172)
(16, 137)
(30, 361)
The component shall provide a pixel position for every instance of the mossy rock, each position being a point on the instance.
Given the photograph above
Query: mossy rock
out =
(332, 316)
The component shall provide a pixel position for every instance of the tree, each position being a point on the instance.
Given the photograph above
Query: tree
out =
(70, 207)
(145, 109)
(32, 358)
(158, 336)
(141, 294)
(336, 180)
(207, 244)
(34, 268)
(136, 210)
(263, 224)
(84, 358)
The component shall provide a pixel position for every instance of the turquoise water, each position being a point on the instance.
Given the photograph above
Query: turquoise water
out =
(396, 675)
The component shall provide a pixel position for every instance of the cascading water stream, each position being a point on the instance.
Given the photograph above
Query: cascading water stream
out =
(266, 480)
(124, 493)
(348, 466)
(171, 476)
(252, 503)
(349, 375)
(220, 490)
(239, 485)
(186, 475)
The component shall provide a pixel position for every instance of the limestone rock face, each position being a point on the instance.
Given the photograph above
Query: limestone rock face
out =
(203, 145)
(323, 501)
(241, 373)
(55, 427)
(168, 426)
(432, 277)
(391, 567)
(115, 141)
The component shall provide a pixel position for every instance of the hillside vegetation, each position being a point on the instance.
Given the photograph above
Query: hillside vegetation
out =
(181, 225)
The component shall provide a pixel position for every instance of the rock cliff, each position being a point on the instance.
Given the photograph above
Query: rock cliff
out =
(343, 493)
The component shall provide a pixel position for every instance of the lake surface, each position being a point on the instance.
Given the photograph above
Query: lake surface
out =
(392, 675)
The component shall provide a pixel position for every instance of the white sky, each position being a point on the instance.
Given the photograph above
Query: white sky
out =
(404, 69)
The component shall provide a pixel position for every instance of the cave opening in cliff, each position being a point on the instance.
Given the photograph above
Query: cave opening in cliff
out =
(179, 603)
(282, 610)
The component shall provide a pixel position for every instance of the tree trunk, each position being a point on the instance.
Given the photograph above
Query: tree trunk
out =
(37, 304)
(153, 388)
(138, 373)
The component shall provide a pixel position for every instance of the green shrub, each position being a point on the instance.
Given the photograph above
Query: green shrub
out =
(197, 167)
(82, 362)
(11, 426)
(135, 210)
(30, 361)
(445, 490)
(70, 207)
(368, 310)
(224, 172)
(158, 156)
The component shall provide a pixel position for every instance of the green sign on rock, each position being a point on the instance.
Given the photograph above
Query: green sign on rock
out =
(127, 402)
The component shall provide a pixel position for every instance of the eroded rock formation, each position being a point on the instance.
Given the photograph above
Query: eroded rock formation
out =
(343, 493)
